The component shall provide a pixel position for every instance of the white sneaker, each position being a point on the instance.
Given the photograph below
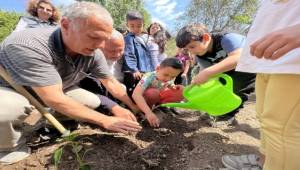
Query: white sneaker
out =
(10, 157)
(243, 162)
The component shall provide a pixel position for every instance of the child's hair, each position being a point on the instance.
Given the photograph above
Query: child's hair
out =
(191, 32)
(172, 62)
(134, 15)
(161, 37)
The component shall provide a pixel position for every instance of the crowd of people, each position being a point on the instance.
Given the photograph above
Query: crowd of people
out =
(81, 67)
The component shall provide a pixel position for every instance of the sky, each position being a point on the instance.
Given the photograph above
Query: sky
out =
(163, 11)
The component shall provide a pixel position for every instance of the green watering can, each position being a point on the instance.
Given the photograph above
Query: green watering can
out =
(212, 97)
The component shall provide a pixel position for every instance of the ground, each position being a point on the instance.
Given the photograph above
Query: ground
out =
(182, 142)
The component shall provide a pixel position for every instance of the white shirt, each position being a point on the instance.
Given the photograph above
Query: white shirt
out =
(115, 68)
(270, 17)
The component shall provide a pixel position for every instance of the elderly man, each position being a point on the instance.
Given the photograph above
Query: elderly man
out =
(51, 62)
(113, 51)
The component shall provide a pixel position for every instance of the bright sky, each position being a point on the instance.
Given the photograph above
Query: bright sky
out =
(164, 11)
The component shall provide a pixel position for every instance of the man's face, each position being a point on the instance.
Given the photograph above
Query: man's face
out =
(135, 26)
(114, 49)
(84, 36)
(197, 47)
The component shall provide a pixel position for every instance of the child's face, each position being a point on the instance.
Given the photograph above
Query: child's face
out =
(199, 47)
(154, 28)
(166, 74)
(135, 26)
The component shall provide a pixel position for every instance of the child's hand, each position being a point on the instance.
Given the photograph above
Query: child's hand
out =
(137, 75)
(201, 77)
(152, 119)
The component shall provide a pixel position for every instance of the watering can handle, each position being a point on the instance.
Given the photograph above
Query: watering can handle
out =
(228, 79)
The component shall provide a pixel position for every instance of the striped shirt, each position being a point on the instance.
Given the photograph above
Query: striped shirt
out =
(36, 57)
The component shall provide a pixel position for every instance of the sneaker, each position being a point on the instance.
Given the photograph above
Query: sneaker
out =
(243, 162)
(219, 122)
(16, 155)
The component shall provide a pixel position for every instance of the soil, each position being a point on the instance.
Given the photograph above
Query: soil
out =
(183, 141)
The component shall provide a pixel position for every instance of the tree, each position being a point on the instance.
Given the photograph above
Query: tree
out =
(8, 21)
(220, 15)
(119, 8)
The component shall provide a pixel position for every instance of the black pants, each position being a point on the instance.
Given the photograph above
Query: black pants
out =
(130, 82)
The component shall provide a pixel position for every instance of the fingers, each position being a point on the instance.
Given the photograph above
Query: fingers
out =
(282, 51)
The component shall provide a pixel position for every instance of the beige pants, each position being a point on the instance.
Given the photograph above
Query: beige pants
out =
(278, 110)
(13, 105)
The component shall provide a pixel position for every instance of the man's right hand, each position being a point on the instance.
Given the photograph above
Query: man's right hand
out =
(122, 125)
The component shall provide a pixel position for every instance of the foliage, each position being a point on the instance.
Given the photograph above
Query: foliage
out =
(76, 148)
(8, 21)
(171, 48)
(119, 8)
(221, 15)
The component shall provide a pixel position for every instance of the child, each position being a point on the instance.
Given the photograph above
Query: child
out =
(157, 45)
(136, 58)
(153, 87)
(217, 53)
(184, 56)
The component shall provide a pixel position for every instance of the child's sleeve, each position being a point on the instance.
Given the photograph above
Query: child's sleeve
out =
(130, 59)
(146, 80)
(232, 41)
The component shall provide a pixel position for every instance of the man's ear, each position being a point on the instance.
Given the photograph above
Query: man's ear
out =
(65, 24)
(206, 37)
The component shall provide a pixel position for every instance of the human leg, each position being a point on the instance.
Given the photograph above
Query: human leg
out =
(12, 107)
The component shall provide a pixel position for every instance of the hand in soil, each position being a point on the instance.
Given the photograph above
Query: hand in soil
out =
(153, 120)
(121, 125)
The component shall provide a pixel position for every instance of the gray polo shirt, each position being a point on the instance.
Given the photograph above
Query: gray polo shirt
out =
(36, 58)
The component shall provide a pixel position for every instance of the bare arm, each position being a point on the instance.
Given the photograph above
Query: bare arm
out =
(141, 102)
(119, 92)
(227, 64)
(54, 97)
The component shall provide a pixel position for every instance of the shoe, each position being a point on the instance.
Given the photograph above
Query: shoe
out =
(220, 122)
(16, 155)
(243, 162)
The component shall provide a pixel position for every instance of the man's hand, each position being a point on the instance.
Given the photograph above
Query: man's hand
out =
(137, 75)
(152, 119)
(118, 111)
(277, 44)
(122, 125)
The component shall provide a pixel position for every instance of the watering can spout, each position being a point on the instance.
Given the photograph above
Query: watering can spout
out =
(186, 105)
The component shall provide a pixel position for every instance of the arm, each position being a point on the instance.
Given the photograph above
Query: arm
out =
(119, 92)
(186, 67)
(54, 97)
(227, 64)
(141, 102)
(277, 44)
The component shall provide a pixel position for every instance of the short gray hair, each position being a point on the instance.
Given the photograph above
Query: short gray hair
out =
(116, 35)
(84, 10)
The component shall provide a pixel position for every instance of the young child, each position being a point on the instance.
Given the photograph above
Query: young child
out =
(157, 46)
(217, 53)
(136, 58)
(154, 86)
(184, 56)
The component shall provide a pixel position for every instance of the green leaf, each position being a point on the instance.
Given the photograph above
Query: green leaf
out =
(57, 156)
(84, 167)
